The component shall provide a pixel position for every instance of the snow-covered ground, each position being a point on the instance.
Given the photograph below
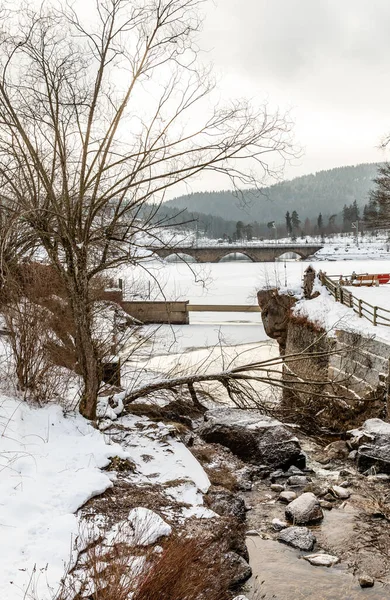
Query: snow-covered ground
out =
(50, 465)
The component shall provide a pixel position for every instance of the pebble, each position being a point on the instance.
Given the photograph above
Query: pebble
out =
(326, 505)
(276, 487)
(321, 560)
(329, 498)
(252, 532)
(344, 484)
(340, 492)
(297, 481)
(287, 497)
(293, 470)
(352, 455)
(366, 581)
(276, 474)
(278, 524)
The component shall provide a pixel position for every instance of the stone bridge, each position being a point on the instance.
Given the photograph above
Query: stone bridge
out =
(257, 253)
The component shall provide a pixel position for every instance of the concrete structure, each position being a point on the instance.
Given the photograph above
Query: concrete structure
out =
(258, 253)
(173, 313)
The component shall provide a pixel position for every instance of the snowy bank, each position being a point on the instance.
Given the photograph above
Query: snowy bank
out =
(50, 466)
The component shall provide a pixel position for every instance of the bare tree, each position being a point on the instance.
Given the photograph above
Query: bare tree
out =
(99, 115)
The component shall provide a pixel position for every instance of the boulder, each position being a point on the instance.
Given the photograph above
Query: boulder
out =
(374, 457)
(298, 537)
(225, 503)
(321, 560)
(239, 568)
(253, 437)
(372, 441)
(305, 509)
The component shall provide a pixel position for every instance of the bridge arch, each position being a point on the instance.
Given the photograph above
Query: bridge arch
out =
(181, 257)
(235, 256)
(290, 255)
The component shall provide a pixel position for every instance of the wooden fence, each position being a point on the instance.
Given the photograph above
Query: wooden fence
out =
(375, 314)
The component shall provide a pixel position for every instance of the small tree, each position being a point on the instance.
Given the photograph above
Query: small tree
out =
(377, 213)
(97, 118)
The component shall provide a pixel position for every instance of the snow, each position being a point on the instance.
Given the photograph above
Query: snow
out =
(148, 526)
(159, 456)
(50, 466)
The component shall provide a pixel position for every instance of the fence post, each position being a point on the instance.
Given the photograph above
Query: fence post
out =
(360, 307)
(341, 295)
(375, 314)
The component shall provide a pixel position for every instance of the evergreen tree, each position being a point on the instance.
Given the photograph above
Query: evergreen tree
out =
(295, 221)
(320, 223)
(288, 223)
(379, 205)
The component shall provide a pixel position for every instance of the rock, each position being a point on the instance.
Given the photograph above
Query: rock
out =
(225, 503)
(253, 532)
(297, 481)
(239, 568)
(298, 537)
(344, 484)
(374, 458)
(287, 497)
(345, 473)
(329, 498)
(293, 470)
(277, 475)
(240, 598)
(316, 489)
(275, 314)
(253, 437)
(305, 509)
(275, 487)
(278, 524)
(321, 560)
(340, 492)
(352, 455)
(365, 581)
(326, 505)
(337, 450)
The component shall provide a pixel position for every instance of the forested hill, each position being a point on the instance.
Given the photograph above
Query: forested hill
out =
(324, 192)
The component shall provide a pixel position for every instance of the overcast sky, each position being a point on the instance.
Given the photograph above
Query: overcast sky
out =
(327, 60)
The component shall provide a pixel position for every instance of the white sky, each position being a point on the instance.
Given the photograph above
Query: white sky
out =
(327, 60)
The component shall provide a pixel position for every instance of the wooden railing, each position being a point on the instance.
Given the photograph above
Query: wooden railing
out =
(375, 314)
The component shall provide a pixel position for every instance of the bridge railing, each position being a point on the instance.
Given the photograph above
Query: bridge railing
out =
(377, 315)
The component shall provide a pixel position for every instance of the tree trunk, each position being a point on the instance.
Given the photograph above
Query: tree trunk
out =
(87, 356)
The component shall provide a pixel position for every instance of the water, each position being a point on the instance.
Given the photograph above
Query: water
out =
(279, 573)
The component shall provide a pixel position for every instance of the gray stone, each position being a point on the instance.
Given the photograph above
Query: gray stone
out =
(287, 497)
(277, 475)
(240, 598)
(374, 458)
(305, 509)
(297, 481)
(321, 560)
(239, 569)
(225, 503)
(298, 537)
(253, 532)
(293, 470)
(253, 437)
(326, 505)
(365, 581)
(278, 524)
(340, 492)
(276, 487)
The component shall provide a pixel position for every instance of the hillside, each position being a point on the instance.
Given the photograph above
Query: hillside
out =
(324, 192)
